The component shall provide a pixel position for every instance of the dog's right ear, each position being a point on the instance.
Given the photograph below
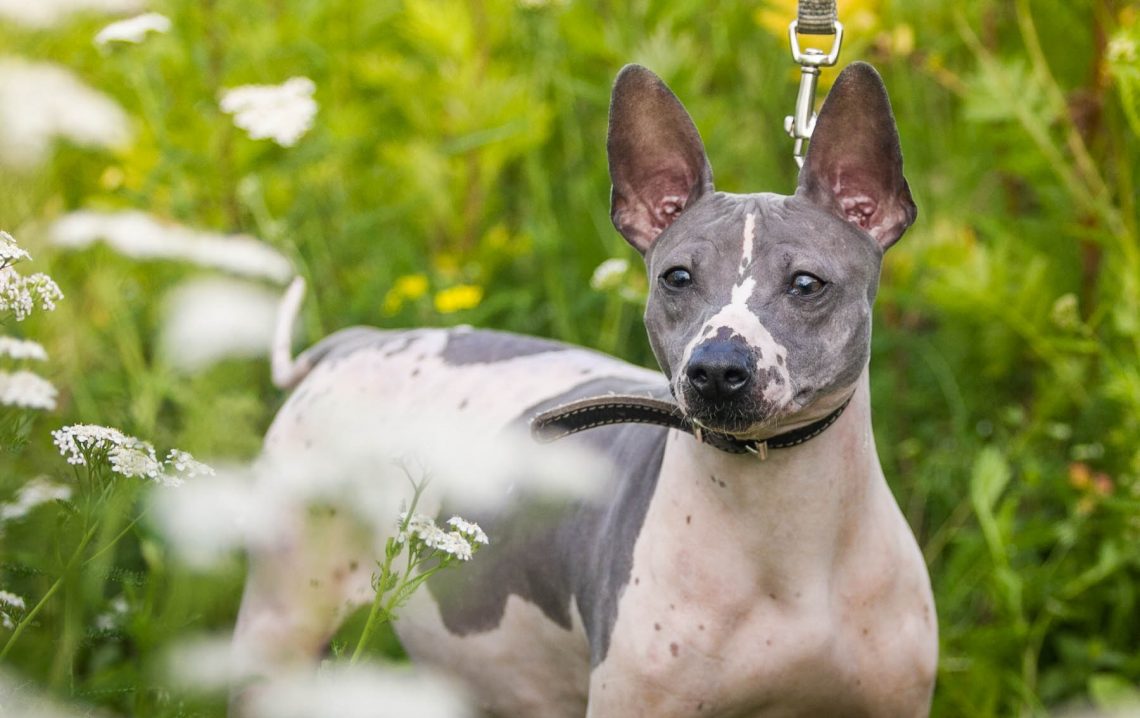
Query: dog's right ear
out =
(657, 161)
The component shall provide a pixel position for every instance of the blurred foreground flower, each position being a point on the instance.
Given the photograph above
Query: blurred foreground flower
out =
(10, 604)
(87, 444)
(36, 492)
(143, 236)
(40, 102)
(282, 113)
(133, 30)
(22, 349)
(27, 390)
(47, 13)
(207, 320)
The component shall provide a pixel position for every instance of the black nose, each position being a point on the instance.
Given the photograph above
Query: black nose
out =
(720, 370)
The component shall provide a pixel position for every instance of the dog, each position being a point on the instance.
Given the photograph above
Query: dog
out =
(745, 556)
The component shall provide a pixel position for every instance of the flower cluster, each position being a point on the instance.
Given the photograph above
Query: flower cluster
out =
(461, 542)
(18, 293)
(81, 444)
(282, 113)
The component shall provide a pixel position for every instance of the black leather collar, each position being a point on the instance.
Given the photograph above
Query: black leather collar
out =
(595, 411)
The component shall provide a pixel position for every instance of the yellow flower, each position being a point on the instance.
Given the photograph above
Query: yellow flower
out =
(409, 287)
(458, 298)
(856, 15)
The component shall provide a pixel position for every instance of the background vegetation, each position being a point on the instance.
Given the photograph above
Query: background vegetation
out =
(455, 173)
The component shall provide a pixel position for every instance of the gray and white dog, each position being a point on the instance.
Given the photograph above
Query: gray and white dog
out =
(746, 557)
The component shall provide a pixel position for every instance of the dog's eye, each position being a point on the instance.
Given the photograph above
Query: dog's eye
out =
(677, 278)
(806, 285)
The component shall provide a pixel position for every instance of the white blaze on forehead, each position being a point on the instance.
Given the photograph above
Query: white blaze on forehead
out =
(749, 239)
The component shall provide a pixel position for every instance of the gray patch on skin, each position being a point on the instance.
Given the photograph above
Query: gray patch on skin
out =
(546, 551)
(485, 347)
(348, 341)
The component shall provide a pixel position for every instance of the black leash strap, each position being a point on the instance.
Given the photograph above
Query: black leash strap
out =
(595, 411)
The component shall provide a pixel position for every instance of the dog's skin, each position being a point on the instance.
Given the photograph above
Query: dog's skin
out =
(699, 583)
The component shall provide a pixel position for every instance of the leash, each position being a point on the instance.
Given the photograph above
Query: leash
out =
(813, 17)
(591, 412)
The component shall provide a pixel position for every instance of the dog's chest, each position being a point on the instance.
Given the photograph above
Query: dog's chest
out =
(705, 628)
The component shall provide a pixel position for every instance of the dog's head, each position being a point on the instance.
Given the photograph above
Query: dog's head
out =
(760, 305)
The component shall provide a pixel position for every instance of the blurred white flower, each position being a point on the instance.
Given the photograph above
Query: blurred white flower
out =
(208, 664)
(113, 617)
(133, 29)
(47, 13)
(142, 236)
(282, 113)
(27, 390)
(40, 102)
(359, 691)
(358, 466)
(22, 349)
(207, 320)
(10, 604)
(35, 493)
(11, 600)
(609, 274)
(210, 517)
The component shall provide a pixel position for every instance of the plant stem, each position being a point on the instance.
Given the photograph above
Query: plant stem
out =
(50, 592)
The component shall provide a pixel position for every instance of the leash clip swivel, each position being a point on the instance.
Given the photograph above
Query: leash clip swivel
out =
(800, 125)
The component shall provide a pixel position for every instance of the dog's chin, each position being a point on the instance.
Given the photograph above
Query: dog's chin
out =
(741, 421)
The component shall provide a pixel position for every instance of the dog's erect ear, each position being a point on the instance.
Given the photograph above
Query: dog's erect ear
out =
(854, 164)
(657, 162)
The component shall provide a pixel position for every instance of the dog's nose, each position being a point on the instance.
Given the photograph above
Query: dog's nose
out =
(720, 370)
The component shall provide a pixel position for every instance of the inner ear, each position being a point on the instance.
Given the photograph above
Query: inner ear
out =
(657, 160)
(854, 161)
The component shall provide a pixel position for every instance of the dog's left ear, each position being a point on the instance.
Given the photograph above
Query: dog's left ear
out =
(854, 163)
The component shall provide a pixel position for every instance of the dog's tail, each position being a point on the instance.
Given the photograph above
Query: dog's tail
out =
(287, 371)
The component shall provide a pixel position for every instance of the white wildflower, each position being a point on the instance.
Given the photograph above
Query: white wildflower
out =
(208, 320)
(35, 493)
(48, 13)
(136, 459)
(40, 102)
(609, 274)
(127, 455)
(27, 390)
(282, 113)
(20, 294)
(134, 29)
(142, 236)
(10, 252)
(11, 600)
(468, 528)
(22, 349)
(181, 466)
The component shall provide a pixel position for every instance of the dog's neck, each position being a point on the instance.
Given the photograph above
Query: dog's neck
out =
(794, 514)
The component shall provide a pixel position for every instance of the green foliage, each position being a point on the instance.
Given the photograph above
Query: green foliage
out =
(458, 155)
